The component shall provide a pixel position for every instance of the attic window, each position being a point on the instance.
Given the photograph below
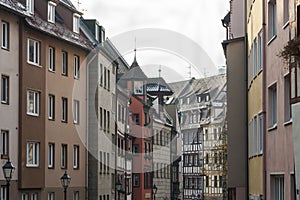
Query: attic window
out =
(76, 23)
(51, 11)
(138, 87)
(30, 6)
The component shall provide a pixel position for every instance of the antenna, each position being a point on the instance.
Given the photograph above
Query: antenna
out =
(135, 49)
(78, 4)
(159, 71)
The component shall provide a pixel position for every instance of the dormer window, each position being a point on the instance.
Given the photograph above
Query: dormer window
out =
(30, 6)
(76, 23)
(51, 11)
(97, 32)
(138, 87)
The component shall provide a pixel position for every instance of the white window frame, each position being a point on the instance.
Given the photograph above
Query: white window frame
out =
(76, 18)
(272, 15)
(64, 156)
(255, 135)
(36, 52)
(76, 195)
(5, 35)
(76, 67)
(273, 105)
(25, 196)
(51, 196)
(34, 196)
(3, 192)
(287, 99)
(64, 65)
(4, 143)
(64, 110)
(36, 103)
(35, 154)
(51, 11)
(138, 87)
(260, 133)
(4, 89)
(51, 59)
(30, 6)
(76, 110)
(76, 157)
(277, 187)
(255, 67)
(51, 107)
(51, 153)
(260, 51)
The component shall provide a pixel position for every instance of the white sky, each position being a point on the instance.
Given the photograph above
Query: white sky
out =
(197, 20)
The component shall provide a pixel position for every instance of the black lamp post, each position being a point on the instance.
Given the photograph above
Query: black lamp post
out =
(154, 190)
(119, 187)
(8, 170)
(65, 182)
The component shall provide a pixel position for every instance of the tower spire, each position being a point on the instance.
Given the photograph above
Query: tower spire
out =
(134, 49)
(159, 71)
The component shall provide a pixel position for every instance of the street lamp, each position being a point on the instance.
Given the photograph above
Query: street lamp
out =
(154, 190)
(119, 187)
(65, 182)
(8, 170)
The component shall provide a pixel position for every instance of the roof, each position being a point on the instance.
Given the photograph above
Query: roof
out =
(158, 86)
(135, 73)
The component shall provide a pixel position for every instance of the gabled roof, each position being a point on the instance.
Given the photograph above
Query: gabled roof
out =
(158, 86)
(135, 73)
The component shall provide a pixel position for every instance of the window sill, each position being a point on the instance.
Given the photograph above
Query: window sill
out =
(66, 75)
(288, 122)
(272, 127)
(64, 121)
(5, 48)
(33, 114)
(4, 156)
(5, 102)
(32, 166)
(34, 64)
(286, 24)
(50, 167)
(271, 40)
(52, 71)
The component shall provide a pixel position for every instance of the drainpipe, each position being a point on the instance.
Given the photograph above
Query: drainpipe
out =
(264, 100)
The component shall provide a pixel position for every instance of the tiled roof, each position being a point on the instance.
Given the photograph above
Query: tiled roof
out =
(158, 85)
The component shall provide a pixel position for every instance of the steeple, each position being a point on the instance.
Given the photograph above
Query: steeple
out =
(134, 63)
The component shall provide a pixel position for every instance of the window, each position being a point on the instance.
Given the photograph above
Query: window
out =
(138, 87)
(51, 107)
(104, 75)
(108, 121)
(64, 63)
(76, 157)
(25, 196)
(108, 163)
(30, 6)
(101, 74)
(32, 152)
(287, 102)
(100, 118)
(51, 11)
(33, 102)
(51, 196)
(64, 156)
(33, 52)
(136, 180)
(3, 192)
(135, 148)
(97, 32)
(4, 143)
(285, 12)
(255, 57)
(104, 119)
(255, 135)
(119, 112)
(271, 19)
(76, 23)
(34, 196)
(277, 189)
(51, 155)
(76, 112)
(64, 116)
(136, 119)
(272, 105)
(108, 80)
(4, 89)
(260, 133)
(76, 195)
(5, 35)
(51, 58)
(76, 67)
(260, 51)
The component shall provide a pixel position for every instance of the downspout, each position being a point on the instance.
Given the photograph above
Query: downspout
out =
(116, 132)
(246, 96)
(264, 74)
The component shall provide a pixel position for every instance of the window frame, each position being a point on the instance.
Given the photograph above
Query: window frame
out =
(273, 101)
(76, 152)
(76, 18)
(64, 156)
(51, 107)
(76, 67)
(30, 6)
(136, 177)
(4, 89)
(51, 196)
(36, 103)
(51, 59)
(64, 66)
(51, 11)
(51, 155)
(76, 112)
(5, 35)
(272, 14)
(64, 109)
(138, 87)
(4, 144)
(36, 52)
(35, 154)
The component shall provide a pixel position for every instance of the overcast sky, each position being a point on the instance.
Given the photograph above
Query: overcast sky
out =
(199, 21)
